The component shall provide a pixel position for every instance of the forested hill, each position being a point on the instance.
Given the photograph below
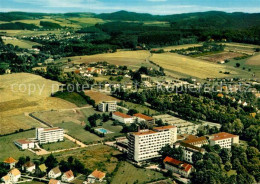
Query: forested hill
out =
(203, 19)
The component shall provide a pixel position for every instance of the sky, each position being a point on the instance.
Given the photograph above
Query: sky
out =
(159, 7)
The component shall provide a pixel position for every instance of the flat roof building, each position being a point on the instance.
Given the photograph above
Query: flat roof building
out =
(145, 144)
(49, 135)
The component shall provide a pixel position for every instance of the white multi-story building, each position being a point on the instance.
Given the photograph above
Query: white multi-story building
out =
(145, 144)
(223, 139)
(107, 106)
(48, 135)
(123, 118)
(189, 150)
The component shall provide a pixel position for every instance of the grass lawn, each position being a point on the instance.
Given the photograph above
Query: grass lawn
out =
(72, 97)
(127, 173)
(140, 108)
(115, 129)
(59, 145)
(78, 132)
(99, 157)
(8, 149)
(21, 43)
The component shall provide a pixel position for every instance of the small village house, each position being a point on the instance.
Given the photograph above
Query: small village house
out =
(14, 175)
(6, 179)
(67, 176)
(54, 173)
(29, 167)
(53, 181)
(10, 162)
(96, 176)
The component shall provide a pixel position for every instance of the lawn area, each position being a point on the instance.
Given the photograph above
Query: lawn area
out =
(128, 174)
(72, 97)
(8, 149)
(79, 132)
(99, 157)
(140, 108)
(66, 144)
(115, 129)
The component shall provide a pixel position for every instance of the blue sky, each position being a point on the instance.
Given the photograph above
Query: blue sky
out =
(145, 6)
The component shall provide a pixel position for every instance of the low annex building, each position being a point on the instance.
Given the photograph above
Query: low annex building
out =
(177, 166)
(122, 118)
(143, 118)
(24, 144)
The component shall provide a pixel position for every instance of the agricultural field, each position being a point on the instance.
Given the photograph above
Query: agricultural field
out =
(183, 66)
(221, 56)
(8, 148)
(27, 32)
(99, 97)
(99, 157)
(241, 48)
(131, 174)
(21, 43)
(129, 58)
(254, 60)
(179, 47)
(17, 101)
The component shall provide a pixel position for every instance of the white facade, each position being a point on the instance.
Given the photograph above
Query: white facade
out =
(67, 176)
(223, 139)
(48, 135)
(14, 175)
(24, 144)
(123, 118)
(53, 174)
(145, 144)
(189, 150)
(108, 106)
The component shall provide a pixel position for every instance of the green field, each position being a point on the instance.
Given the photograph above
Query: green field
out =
(72, 97)
(78, 132)
(8, 149)
(101, 157)
(66, 144)
(128, 174)
(140, 108)
(25, 44)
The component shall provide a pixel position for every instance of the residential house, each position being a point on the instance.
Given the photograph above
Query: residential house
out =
(96, 176)
(177, 166)
(53, 181)
(122, 118)
(67, 176)
(29, 167)
(24, 144)
(6, 179)
(54, 173)
(10, 162)
(14, 175)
